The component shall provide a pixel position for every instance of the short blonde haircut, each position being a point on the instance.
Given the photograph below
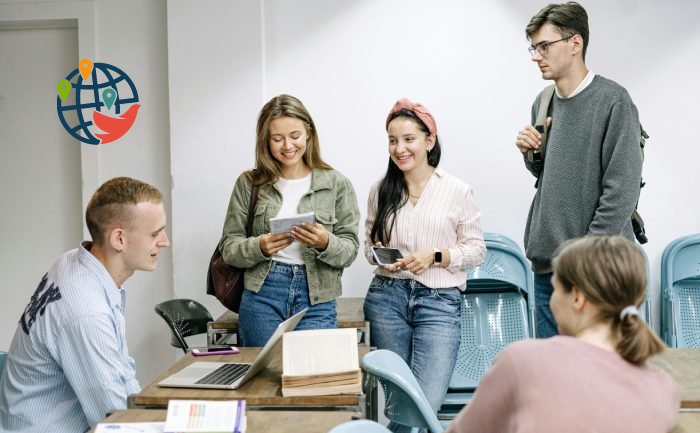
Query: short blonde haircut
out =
(110, 204)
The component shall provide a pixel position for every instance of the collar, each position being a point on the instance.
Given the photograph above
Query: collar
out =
(321, 179)
(115, 295)
(587, 80)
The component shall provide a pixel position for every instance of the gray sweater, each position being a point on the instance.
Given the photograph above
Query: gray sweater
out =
(592, 170)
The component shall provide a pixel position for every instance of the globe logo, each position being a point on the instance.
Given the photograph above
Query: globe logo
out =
(97, 103)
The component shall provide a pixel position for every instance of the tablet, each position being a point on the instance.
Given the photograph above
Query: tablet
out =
(386, 256)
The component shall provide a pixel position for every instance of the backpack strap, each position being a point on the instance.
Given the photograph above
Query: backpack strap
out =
(536, 156)
(251, 210)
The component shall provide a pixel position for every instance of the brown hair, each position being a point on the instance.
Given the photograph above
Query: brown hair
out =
(267, 168)
(611, 272)
(569, 18)
(110, 204)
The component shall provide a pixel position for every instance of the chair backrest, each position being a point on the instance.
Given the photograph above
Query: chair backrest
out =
(497, 309)
(185, 317)
(405, 402)
(680, 287)
(360, 426)
(3, 358)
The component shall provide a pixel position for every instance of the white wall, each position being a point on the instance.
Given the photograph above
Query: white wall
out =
(130, 34)
(466, 61)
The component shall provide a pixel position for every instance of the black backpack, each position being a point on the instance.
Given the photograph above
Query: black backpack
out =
(536, 157)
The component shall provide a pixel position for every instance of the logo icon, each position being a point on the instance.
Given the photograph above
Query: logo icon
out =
(97, 103)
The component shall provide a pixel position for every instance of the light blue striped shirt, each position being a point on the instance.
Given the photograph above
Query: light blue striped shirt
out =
(68, 364)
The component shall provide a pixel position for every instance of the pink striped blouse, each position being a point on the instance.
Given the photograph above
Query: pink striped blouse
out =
(445, 217)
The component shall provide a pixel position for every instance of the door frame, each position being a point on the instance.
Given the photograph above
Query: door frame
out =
(80, 15)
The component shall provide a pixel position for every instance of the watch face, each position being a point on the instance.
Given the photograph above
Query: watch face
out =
(438, 256)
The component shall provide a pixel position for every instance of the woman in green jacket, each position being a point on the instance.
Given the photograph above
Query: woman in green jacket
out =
(288, 272)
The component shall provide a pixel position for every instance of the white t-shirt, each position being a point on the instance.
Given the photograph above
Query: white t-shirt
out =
(292, 191)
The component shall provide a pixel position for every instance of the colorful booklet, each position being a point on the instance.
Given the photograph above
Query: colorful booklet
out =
(199, 416)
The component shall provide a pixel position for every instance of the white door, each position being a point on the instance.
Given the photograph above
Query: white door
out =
(40, 178)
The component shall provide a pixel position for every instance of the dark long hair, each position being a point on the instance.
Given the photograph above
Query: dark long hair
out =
(393, 191)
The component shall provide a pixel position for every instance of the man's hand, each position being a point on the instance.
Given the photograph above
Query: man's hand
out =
(528, 137)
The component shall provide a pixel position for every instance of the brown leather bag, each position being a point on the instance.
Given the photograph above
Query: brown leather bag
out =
(225, 281)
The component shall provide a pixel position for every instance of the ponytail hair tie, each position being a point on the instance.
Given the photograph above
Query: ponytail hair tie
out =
(629, 310)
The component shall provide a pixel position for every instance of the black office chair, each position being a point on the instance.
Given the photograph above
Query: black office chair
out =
(185, 317)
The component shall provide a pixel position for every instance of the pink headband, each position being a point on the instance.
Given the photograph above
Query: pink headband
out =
(420, 111)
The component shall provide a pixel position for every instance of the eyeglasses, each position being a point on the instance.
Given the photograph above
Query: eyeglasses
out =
(543, 47)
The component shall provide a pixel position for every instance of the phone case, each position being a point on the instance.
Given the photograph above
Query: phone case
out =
(386, 256)
(205, 352)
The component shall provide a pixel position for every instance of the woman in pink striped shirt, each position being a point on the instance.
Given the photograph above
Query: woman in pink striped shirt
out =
(413, 305)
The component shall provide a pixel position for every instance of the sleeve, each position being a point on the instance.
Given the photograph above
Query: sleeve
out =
(532, 168)
(369, 222)
(470, 249)
(343, 242)
(622, 170)
(101, 375)
(493, 408)
(236, 248)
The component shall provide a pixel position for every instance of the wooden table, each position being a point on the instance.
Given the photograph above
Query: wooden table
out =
(261, 392)
(349, 311)
(684, 366)
(258, 422)
(688, 422)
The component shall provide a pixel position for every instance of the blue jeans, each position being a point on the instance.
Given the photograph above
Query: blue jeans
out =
(284, 293)
(546, 325)
(420, 324)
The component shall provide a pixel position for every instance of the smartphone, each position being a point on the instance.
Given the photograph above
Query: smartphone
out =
(386, 256)
(215, 350)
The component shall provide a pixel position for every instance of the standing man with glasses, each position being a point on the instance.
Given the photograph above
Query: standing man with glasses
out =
(589, 181)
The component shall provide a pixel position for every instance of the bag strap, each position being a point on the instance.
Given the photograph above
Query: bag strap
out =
(536, 156)
(251, 210)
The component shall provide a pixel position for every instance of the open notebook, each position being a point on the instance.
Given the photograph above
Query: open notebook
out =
(229, 375)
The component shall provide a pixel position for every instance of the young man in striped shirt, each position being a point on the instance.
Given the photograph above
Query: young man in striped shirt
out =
(68, 364)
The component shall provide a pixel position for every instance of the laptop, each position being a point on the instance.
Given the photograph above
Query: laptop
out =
(229, 375)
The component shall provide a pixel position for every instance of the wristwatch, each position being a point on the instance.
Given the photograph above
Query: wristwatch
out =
(437, 258)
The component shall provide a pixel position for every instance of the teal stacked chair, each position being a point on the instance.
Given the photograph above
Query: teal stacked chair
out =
(360, 426)
(185, 317)
(680, 292)
(497, 309)
(3, 358)
(404, 400)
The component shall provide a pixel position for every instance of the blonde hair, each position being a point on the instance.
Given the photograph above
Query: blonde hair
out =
(611, 272)
(267, 168)
(110, 204)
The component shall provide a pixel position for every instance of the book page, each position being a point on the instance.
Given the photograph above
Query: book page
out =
(284, 225)
(319, 351)
(130, 427)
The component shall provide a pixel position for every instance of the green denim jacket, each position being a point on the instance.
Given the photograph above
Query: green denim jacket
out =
(333, 199)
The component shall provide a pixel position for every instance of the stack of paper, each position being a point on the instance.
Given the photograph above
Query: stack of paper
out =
(198, 416)
(285, 225)
(320, 362)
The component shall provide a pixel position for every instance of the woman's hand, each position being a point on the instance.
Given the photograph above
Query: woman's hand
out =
(417, 262)
(272, 244)
(313, 235)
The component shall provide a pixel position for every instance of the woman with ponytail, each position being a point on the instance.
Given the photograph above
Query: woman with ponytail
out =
(413, 305)
(594, 376)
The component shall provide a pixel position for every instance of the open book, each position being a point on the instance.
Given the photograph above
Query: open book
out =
(320, 362)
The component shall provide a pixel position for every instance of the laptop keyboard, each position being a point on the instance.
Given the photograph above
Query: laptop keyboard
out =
(225, 375)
